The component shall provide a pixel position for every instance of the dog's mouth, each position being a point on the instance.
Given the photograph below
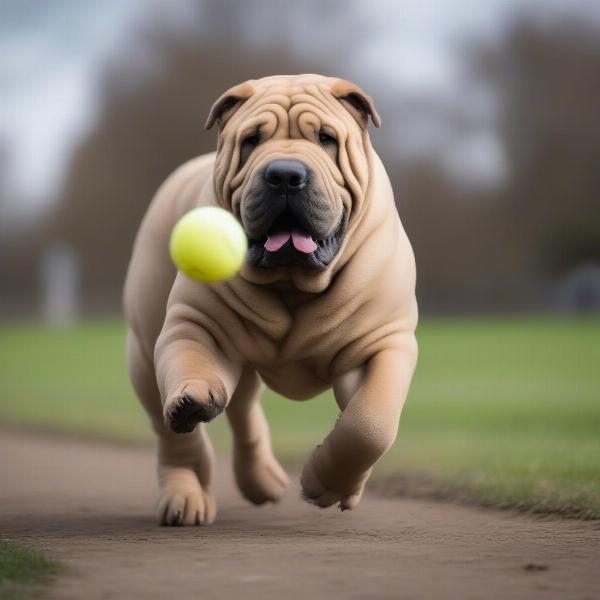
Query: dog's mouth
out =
(287, 243)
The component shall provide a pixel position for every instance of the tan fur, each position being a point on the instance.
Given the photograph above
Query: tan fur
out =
(349, 326)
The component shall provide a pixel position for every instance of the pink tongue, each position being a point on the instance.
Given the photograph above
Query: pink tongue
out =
(276, 240)
(303, 242)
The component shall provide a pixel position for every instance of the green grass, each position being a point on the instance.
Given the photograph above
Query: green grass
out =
(21, 568)
(502, 411)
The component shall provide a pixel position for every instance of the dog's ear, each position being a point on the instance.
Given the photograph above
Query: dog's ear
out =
(228, 103)
(357, 102)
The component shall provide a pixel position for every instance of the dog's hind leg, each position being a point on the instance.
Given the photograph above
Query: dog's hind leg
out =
(259, 476)
(185, 460)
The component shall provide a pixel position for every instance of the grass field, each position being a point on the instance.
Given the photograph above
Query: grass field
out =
(502, 411)
(21, 568)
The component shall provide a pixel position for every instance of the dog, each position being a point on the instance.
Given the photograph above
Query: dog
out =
(325, 299)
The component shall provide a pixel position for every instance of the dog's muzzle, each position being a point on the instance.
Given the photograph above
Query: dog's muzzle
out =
(288, 236)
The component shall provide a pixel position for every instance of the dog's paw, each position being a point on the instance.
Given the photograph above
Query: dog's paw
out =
(183, 501)
(192, 406)
(259, 476)
(323, 485)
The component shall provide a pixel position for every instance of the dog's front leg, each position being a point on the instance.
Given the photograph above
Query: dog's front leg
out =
(371, 400)
(195, 378)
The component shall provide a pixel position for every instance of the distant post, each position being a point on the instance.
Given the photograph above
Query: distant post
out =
(60, 284)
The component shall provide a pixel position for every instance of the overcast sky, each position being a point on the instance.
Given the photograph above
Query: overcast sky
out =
(51, 52)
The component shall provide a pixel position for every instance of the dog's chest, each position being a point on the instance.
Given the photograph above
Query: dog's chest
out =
(296, 381)
(293, 342)
(299, 363)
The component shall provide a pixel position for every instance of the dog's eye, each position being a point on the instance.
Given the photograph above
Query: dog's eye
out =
(326, 139)
(252, 140)
(248, 145)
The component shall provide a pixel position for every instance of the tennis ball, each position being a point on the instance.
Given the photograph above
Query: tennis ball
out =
(208, 244)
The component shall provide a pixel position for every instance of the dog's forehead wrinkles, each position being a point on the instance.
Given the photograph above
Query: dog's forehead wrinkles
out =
(289, 91)
(276, 101)
(294, 94)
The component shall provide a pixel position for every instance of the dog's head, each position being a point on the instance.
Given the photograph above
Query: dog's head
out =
(291, 165)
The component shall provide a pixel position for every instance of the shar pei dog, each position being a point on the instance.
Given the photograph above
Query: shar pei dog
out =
(325, 299)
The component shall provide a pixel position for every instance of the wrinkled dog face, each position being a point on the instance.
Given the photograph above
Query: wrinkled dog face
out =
(286, 164)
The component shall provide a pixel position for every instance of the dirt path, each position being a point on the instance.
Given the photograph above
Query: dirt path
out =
(90, 506)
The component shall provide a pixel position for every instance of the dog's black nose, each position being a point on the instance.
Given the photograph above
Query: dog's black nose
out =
(286, 174)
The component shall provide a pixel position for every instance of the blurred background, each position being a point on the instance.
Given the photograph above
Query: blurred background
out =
(491, 136)
(491, 133)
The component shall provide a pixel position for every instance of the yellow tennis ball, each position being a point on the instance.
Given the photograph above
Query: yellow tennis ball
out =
(208, 244)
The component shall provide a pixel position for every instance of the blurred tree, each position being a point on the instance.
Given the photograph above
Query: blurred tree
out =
(19, 250)
(548, 78)
(506, 248)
